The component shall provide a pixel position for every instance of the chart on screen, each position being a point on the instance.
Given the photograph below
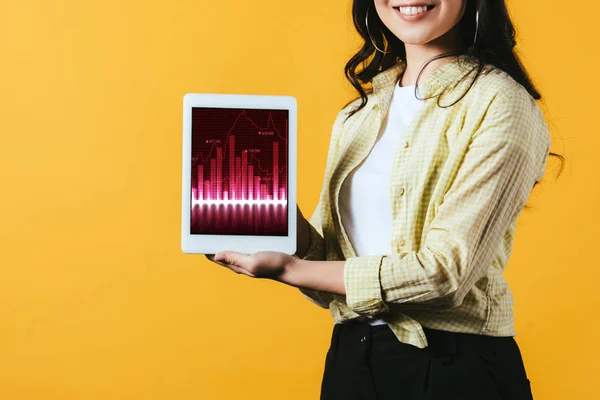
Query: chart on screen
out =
(239, 171)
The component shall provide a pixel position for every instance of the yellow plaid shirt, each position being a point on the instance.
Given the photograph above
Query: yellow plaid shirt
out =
(456, 191)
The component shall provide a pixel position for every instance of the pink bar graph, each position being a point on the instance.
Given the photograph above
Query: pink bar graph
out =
(219, 166)
(250, 182)
(200, 183)
(213, 178)
(231, 165)
(238, 181)
(246, 180)
(244, 174)
(207, 187)
(275, 169)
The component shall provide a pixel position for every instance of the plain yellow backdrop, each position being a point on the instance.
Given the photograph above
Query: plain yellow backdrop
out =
(97, 301)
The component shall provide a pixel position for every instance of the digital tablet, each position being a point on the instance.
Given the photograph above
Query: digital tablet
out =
(239, 173)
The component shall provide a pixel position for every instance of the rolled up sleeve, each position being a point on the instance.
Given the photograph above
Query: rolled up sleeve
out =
(490, 189)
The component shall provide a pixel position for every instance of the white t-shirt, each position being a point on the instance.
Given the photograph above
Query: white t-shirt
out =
(365, 194)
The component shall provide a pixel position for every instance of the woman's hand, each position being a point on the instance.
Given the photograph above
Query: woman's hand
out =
(262, 264)
(325, 276)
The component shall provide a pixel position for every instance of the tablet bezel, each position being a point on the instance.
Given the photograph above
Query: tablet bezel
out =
(210, 244)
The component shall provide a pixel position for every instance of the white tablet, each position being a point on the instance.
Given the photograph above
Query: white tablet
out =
(239, 173)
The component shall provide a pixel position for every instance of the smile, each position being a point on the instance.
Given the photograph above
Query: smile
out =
(412, 13)
(409, 11)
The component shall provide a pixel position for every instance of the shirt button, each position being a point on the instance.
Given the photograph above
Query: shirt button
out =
(405, 144)
(400, 191)
(362, 339)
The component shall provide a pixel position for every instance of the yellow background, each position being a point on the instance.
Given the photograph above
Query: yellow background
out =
(97, 301)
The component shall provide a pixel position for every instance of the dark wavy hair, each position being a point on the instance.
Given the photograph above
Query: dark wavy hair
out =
(494, 46)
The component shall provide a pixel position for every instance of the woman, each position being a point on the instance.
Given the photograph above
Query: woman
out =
(426, 175)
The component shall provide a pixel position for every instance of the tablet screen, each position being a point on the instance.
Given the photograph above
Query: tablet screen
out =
(239, 171)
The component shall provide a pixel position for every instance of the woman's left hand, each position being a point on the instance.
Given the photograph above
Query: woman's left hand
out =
(262, 264)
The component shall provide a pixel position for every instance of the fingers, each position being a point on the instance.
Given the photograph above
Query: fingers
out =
(231, 260)
(239, 263)
(234, 257)
(235, 268)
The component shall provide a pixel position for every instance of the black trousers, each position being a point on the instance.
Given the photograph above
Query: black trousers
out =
(367, 362)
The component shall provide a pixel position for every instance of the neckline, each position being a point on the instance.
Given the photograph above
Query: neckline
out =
(439, 78)
(407, 92)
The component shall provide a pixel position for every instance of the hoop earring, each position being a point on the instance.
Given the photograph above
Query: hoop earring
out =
(476, 27)
(369, 33)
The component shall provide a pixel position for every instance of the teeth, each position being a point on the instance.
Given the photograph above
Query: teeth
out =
(412, 10)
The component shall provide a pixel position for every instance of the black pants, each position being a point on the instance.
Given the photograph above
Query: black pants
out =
(367, 362)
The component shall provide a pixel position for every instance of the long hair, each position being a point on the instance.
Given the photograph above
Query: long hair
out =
(494, 46)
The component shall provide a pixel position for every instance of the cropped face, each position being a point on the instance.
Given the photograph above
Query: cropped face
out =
(418, 22)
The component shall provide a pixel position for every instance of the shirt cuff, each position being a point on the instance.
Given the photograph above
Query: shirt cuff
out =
(322, 299)
(363, 286)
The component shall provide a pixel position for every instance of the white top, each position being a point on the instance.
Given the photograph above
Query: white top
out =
(365, 194)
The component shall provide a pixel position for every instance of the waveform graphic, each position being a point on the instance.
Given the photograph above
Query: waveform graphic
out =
(239, 192)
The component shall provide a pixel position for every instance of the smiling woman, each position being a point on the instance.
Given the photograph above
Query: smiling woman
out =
(427, 173)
